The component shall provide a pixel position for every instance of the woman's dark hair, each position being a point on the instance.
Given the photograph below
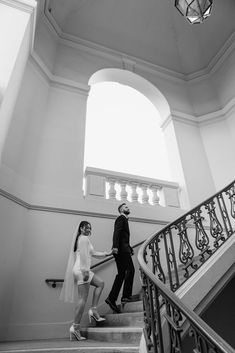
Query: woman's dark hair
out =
(81, 225)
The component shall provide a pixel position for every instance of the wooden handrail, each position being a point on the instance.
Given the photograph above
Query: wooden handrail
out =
(54, 281)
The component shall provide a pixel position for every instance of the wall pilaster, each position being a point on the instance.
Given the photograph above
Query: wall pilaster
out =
(17, 25)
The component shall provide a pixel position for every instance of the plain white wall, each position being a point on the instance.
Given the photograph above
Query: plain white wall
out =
(223, 79)
(219, 146)
(58, 173)
(13, 220)
(22, 143)
(45, 44)
(194, 161)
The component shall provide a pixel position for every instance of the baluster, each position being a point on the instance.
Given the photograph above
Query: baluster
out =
(112, 191)
(145, 196)
(225, 215)
(231, 193)
(201, 237)
(186, 252)
(134, 194)
(216, 229)
(155, 199)
(123, 193)
(171, 259)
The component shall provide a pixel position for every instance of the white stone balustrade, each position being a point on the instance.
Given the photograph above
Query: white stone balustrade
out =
(106, 184)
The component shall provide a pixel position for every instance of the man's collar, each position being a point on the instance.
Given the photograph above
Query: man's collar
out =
(123, 214)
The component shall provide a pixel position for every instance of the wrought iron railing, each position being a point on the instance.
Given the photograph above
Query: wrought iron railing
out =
(172, 256)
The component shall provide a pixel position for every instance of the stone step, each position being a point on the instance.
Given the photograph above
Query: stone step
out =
(114, 334)
(66, 346)
(136, 319)
(135, 306)
(131, 307)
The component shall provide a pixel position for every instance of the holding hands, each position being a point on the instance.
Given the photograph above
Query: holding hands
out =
(108, 253)
(85, 276)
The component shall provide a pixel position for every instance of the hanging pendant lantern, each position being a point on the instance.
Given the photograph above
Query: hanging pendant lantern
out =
(196, 11)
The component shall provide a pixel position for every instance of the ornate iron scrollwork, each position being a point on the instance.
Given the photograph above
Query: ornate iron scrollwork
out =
(216, 229)
(178, 246)
(186, 252)
(231, 193)
(156, 262)
(201, 237)
(225, 215)
(202, 344)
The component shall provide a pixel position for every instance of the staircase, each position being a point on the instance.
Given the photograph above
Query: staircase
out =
(119, 333)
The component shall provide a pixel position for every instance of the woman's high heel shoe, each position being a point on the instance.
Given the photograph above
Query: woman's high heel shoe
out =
(96, 317)
(74, 332)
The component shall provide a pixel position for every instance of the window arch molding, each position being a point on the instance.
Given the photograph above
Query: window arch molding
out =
(137, 82)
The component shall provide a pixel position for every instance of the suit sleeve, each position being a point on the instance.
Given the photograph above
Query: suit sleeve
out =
(118, 227)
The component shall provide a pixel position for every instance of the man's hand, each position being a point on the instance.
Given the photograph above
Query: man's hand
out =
(115, 251)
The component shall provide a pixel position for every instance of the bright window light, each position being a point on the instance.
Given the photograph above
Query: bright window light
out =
(123, 133)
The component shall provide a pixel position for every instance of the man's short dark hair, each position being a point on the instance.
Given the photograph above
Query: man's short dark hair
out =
(120, 207)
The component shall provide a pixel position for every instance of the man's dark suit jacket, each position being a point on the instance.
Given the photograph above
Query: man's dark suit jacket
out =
(121, 235)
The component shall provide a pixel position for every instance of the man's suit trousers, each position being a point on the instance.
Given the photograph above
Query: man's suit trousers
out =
(125, 274)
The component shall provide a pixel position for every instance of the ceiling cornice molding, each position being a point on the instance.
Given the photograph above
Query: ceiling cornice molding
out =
(120, 58)
(181, 117)
(82, 89)
(51, 21)
(216, 62)
(202, 120)
(219, 115)
(23, 5)
(102, 51)
(56, 81)
(184, 118)
(212, 118)
(222, 54)
(98, 50)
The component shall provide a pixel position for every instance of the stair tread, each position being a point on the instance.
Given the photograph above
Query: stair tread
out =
(112, 329)
(125, 313)
(60, 344)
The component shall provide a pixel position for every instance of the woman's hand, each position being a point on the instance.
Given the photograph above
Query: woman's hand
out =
(108, 253)
(85, 276)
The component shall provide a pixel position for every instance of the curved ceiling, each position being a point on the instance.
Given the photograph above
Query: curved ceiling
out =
(150, 30)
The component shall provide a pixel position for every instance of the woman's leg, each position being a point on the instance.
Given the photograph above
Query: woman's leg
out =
(83, 290)
(98, 283)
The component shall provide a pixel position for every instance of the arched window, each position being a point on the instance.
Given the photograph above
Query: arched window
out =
(123, 132)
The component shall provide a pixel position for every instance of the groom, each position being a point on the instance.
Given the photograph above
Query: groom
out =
(122, 252)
